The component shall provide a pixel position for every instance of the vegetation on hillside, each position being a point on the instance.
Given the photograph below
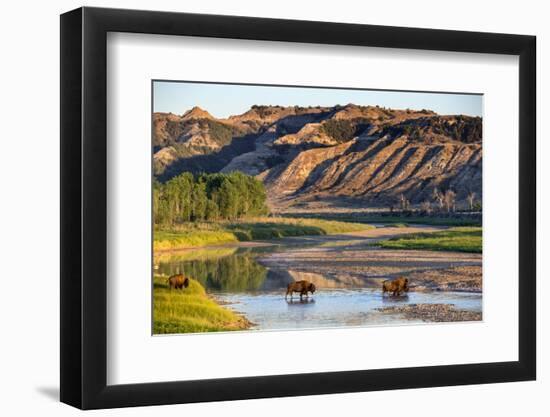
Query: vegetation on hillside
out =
(465, 129)
(339, 130)
(220, 132)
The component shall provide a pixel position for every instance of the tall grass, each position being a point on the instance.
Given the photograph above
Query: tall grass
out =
(198, 254)
(261, 228)
(190, 310)
(457, 239)
(166, 240)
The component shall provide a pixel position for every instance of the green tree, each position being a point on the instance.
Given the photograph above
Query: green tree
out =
(179, 190)
(198, 201)
(227, 200)
(212, 211)
(208, 197)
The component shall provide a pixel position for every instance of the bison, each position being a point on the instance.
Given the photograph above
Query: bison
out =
(178, 282)
(396, 287)
(303, 287)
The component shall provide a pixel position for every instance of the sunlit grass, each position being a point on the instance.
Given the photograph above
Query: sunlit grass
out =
(165, 240)
(262, 228)
(459, 239)
(197, 254)
(190, 310)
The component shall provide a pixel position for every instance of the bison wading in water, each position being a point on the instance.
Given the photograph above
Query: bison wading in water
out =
(395, 287)
(303, 287)
(178, 282)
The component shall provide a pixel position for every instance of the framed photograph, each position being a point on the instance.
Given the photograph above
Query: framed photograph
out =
(256, 208)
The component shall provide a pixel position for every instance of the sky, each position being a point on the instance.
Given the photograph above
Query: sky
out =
(224, 100)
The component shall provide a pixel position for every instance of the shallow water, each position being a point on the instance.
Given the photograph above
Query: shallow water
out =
(253, 281)
(336, 308)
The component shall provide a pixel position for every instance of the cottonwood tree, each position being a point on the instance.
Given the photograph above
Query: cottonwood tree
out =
(471, 199)
(439, 198)
(449, 200)
(208, 197)
(404, 202)
(426, 207)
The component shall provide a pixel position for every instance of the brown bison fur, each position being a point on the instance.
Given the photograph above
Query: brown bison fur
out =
(303, 287)
(178, 281)
(396, 287)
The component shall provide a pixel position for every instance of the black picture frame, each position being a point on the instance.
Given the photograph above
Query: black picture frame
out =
(84, 207)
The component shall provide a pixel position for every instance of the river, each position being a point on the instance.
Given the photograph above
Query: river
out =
(346, 269)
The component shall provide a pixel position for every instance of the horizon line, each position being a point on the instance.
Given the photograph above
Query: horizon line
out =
(312, 107)
(226, 99)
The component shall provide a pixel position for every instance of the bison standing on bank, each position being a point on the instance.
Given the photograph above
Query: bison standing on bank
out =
(395, 287)
(303, 287)
(178, 282)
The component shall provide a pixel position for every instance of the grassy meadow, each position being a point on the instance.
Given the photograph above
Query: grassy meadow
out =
(197, 234)
(190, 310)
(456, 239)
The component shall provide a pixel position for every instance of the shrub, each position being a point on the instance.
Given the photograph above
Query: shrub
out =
(339, 130)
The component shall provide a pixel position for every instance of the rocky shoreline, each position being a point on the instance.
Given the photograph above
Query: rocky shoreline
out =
(458, 279)
(433, 312)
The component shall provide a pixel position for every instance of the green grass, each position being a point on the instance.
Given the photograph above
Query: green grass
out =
(392, 220)
(165, 240)
(190, 310)
(426, 220)
(198, 254)
(264, 228)
(457, 239)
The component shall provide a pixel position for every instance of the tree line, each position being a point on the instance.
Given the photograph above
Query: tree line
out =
(207, 197)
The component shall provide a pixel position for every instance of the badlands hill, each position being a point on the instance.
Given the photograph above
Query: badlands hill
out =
(314, 157)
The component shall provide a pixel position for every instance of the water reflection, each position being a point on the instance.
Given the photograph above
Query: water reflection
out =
(395, 298)
(228, 273)
(303, 301)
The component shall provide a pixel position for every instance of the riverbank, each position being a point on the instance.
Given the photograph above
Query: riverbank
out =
(191, 310)
(432, 313)
(247, 280)
(386, 217)
(192, 235)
